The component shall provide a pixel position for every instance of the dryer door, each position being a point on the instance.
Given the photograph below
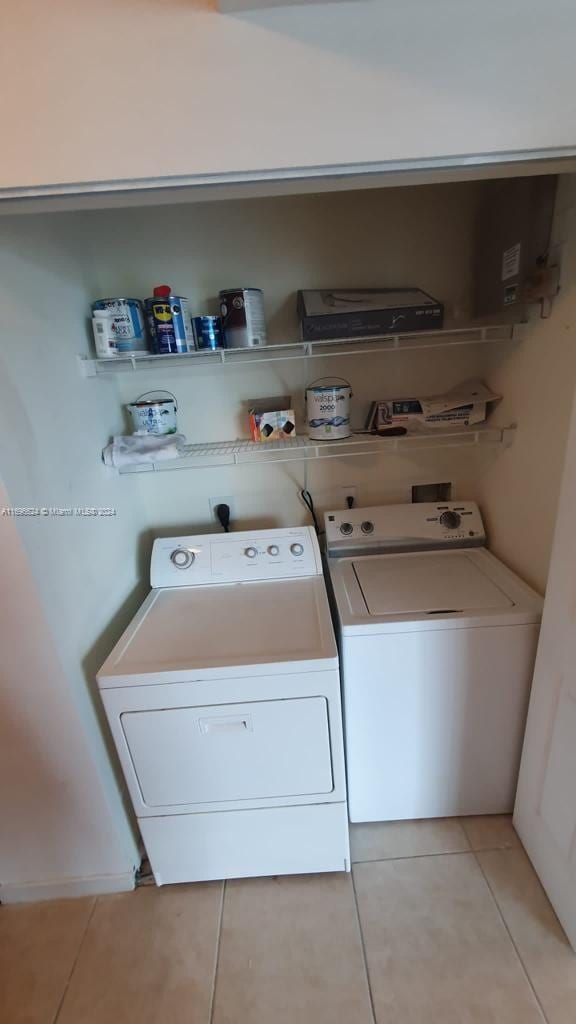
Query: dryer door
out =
(227, 753)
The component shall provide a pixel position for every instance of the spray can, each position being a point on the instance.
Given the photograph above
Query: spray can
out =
(169, 322)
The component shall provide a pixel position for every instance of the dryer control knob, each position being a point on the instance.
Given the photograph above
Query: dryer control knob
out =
(367, 526)
(346, 529)
(273, 550)
(451, 520)
(250, 552)
(181, 558)
(297, 549)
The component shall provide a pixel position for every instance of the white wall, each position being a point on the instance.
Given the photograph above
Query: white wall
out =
(147, 88)
(57, 835)
(86, 569)
(520, 490)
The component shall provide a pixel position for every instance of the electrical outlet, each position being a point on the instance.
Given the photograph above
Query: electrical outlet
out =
(222, 499)
(347, 492)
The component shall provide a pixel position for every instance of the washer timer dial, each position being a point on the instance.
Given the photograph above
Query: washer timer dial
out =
(451, 520)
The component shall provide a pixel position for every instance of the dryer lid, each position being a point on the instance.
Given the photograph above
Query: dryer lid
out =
(426, 584)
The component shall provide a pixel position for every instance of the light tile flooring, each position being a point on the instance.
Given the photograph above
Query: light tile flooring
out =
(441, 922)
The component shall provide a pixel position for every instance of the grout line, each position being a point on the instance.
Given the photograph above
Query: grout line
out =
(440, 853)
(413, 856)
(217, 954)
(509, 933)
(363, 947)
(76, 958)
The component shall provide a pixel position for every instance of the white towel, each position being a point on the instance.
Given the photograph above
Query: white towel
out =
(126, 450)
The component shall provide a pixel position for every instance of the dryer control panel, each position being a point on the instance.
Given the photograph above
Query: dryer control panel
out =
(415, 527)
(235, 557)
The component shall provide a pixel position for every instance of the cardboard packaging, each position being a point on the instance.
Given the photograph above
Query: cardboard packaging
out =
(366, 312)
(464, 406)
(272, 419)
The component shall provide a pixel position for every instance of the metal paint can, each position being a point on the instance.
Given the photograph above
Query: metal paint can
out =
(126, 323)
(208, 333)
(243, 320)
(328, 409)
(154, 415)
(169, 322)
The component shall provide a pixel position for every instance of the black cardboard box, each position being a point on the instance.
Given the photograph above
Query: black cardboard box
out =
(366, 312)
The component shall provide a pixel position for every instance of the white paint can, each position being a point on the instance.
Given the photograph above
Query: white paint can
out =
(328, 409)
(154, 415)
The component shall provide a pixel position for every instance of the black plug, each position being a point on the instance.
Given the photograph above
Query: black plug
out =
(350, 501)
(223, 515)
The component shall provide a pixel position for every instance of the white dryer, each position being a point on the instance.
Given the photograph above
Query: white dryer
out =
(223, 697)
(437, 646)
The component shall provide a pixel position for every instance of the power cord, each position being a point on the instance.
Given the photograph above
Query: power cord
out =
(308, 500)
(223, 516)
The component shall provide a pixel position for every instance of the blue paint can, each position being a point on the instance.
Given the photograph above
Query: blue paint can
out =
(208, 333)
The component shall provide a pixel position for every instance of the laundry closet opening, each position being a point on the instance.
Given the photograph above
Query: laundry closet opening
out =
(54, 265)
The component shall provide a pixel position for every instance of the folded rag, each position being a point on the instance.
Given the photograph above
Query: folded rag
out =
(124, 451)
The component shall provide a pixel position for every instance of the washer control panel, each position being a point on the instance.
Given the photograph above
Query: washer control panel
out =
(235, 557)
(414, 527)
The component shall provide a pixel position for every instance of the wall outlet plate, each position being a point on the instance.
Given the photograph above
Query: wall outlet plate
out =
(347, 492)
(222, 499)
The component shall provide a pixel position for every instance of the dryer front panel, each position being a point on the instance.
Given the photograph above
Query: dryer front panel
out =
(230, 752)
(193, 747)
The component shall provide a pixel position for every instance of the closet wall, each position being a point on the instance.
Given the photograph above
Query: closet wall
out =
(78, 574)
(519, 491)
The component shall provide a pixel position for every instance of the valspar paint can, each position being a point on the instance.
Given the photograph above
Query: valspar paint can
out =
(169, 322)
(328, 409)
(125, 323)
(242, 311)
(154, 415)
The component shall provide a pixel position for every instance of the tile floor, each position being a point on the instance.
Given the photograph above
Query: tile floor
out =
(441, 922)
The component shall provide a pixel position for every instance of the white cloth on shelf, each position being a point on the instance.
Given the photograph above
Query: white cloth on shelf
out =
(129, 449)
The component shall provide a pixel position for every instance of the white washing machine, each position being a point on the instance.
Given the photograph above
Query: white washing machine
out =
(223, 697)
(437, 646)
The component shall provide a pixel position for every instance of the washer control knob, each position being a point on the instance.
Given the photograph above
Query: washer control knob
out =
(181, 558)
(346, 529)
(367, 526)
(250, 552)
(297, 549)
(273, 550)
(451, 520)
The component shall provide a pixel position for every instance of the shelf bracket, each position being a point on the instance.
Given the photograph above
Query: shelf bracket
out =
(508, 435)
(86, 366)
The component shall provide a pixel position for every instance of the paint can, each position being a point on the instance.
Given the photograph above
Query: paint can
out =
(328, 409)
(243, 320)
(169, 322)
(154, 415)
(126, 323)
(208, 333)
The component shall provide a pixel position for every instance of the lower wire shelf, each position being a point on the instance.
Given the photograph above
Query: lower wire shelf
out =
(299, 449)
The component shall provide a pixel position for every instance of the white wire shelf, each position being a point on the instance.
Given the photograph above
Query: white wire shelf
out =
(242, 452)
(450, 337)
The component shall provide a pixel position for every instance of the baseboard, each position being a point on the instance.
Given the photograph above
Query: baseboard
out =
(66, 888)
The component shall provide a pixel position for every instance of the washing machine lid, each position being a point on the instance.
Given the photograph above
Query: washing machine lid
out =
(235, 629)
(429, 590)
(429, 584)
